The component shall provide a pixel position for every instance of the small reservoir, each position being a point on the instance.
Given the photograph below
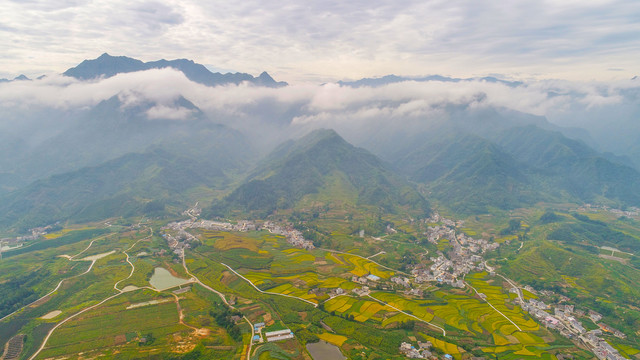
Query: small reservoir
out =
(162, 279)
(324, 351)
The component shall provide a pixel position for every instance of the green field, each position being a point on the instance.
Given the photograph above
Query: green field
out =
(357, 324)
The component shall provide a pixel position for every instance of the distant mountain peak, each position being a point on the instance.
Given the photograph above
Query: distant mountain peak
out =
(321, 134)
(21, 77)
(266, 80)
(391, 79)
(107, 66)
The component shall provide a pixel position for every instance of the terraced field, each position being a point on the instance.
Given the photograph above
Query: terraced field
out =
(418, 308)
(100, 328)
(361, 310)
(300, 273)
(363, 267)
(444, 346)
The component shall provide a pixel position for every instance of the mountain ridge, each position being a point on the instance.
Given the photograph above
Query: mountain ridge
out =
(107, 66)
(303, 168)
(516, 167)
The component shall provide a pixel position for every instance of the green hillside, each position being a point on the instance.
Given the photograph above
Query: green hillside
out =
(517, 167)
(325, 170)
(572, 165)
(469, 174)
(136, 183)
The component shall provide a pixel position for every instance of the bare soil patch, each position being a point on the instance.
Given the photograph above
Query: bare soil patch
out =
(120, 339)
(51, 315)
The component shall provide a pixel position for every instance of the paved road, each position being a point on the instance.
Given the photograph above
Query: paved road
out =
(133, 268)
(444, 332)
(494, 308)
(221, 295)
(120, 292)
(361, 257)
(269, 292)
(518, 290)
(374, 255)
(67, 319)
(63, 280)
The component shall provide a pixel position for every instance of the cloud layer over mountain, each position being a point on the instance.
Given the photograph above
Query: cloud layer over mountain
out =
(311, 103)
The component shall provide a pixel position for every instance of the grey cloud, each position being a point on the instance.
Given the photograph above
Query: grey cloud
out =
(336, 38)
(156, 14)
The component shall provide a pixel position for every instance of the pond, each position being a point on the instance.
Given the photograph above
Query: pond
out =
(324, 351)
(162, 279)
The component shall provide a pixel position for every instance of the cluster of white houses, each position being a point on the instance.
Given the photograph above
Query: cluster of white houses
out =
(294, 237)
(181, 240)
(465, 256)
(564, 321)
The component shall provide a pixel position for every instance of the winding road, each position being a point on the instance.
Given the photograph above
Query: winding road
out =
(362, 257)
(133, 268)
(268, 292)
(444, 332)
(120, 292)
(494, 308)
(221, 295)
(70, 258)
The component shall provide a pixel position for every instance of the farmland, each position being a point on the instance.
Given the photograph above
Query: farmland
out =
(108, 328)
(342, 297)
(312, 275)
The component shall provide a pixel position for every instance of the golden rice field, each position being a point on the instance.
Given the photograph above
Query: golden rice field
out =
(62, 232)
(364, 267)
(447, 347)
(463, 311)
(502, 239)
(413, 307)
(228, 240)
(333, 258)
(397, 318)
(334, 339)
(528, 295)
(289, 289)
(625, 349)
(362, 310)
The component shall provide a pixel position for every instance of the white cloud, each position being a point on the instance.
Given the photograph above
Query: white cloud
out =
(169, 112)
(332, 39)
(322, 105)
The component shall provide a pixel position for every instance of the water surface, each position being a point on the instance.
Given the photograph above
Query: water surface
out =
(162, 279)
(324, 351)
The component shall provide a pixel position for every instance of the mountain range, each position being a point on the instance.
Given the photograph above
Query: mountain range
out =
(516, 167)
(392, 79)
(116, 158)
(107, 66)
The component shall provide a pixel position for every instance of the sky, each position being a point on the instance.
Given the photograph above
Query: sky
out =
(319, 41)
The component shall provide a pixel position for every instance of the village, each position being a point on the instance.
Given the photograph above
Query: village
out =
(464, 257)
(564, 321)
(8, 244)
(630, 212)
(182, 239)
(422, 351)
